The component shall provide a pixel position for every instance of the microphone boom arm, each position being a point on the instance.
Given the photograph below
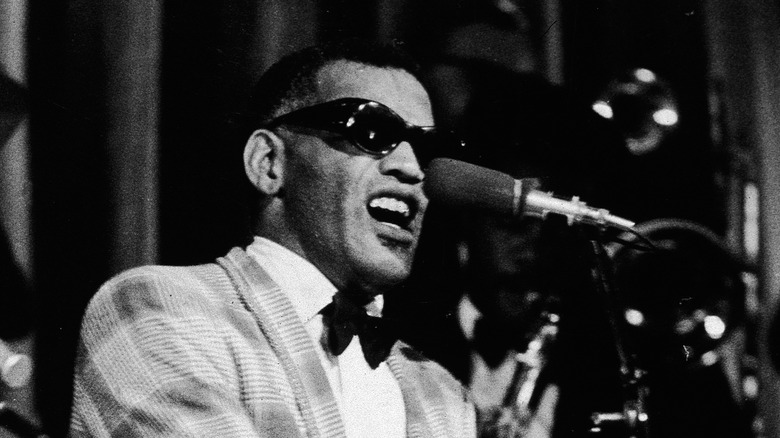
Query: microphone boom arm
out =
(537, 203)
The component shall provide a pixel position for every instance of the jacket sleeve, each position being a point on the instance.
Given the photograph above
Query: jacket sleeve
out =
(153, 361)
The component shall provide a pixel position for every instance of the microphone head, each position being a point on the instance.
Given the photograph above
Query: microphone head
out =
(462, 185)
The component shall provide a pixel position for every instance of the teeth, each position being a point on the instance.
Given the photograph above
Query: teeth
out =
(391, 204)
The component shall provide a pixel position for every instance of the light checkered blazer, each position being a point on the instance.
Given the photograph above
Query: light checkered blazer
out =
(217, 350)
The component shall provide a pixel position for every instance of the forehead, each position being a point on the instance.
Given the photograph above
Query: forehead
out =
(396, 88)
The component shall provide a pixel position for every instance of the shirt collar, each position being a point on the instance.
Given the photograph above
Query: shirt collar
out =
(308, 289)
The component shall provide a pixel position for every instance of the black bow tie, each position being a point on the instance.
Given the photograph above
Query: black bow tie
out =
(343, 319)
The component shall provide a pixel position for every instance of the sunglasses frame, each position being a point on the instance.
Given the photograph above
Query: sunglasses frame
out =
(338, 116)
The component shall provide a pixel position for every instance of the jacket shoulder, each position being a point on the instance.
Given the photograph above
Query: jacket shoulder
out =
(188, 289)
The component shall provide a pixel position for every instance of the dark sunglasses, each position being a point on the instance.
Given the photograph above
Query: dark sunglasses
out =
(372, 127)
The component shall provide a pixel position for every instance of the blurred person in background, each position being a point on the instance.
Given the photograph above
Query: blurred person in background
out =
(15, 296)
(484, 286)
(17, 303)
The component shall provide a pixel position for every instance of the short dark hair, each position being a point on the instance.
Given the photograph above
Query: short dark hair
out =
(291, 82)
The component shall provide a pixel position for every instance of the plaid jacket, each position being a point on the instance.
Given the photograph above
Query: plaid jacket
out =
(217, 350)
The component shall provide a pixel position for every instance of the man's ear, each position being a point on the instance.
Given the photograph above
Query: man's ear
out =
(264, 161)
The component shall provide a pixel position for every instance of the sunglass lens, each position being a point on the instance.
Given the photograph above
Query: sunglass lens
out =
(375, 128)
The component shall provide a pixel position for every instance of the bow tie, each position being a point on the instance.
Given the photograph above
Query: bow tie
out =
(344, 319)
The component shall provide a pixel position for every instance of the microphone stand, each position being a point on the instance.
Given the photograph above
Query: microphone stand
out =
(634, 415)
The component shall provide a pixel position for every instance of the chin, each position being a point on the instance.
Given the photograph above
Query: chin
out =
(380, 266)
(380, 278)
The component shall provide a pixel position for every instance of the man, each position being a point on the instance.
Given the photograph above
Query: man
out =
(258, 343)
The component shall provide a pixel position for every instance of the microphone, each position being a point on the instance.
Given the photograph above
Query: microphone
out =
(15, 368)
(464, 185)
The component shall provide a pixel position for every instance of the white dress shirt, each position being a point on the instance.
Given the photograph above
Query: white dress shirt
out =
(370, 401)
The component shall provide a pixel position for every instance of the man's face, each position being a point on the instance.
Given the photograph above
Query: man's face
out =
(344, 207)
(504, 265)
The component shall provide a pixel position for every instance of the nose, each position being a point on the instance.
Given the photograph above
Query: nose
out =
(402, 163)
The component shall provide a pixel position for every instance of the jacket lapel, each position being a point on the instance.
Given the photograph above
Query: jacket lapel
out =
(425, 416)
(289, 339)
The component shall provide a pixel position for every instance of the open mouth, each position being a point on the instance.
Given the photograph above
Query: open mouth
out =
(393, 211)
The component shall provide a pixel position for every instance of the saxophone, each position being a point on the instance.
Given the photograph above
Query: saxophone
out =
(513, 418)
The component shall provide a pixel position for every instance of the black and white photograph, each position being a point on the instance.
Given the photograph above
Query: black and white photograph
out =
(390, 218)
